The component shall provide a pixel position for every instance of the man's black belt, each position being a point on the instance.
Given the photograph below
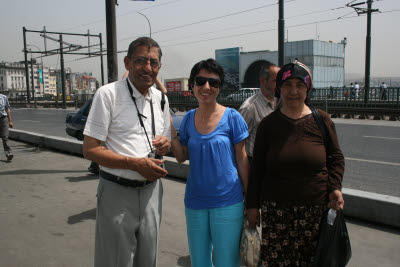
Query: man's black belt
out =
(123, 181)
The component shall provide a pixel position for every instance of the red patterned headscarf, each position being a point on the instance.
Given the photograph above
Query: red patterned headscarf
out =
(293, 70)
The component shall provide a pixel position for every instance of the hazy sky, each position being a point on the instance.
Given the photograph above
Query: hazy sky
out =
(191, 30)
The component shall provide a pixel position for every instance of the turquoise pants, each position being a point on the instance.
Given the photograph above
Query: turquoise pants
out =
(215, 229)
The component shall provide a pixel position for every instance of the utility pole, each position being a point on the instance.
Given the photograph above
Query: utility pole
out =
(368, 52)
(281, 35)
(111, 27)
(367, 11)
(101, 59)
(64, 104)
(33, 84)
(26, 68)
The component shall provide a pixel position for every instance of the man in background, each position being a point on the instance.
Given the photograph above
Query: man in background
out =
(255, 108)
(357, 89)
(5, 124)
(383, 92)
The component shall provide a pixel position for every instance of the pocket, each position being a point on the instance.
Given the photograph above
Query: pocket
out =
(100, 189)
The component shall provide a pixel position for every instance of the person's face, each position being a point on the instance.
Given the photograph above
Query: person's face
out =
(271, 84)
(143, 67)
(268, 87)
(293, 93)
(206, 91)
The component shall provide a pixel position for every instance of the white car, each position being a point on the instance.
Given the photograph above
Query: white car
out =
(242, 94)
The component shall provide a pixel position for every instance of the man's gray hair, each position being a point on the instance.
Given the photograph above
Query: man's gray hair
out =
(265, 70)
(146, 41)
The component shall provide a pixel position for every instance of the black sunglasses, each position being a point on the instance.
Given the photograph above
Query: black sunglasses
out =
(213, 82)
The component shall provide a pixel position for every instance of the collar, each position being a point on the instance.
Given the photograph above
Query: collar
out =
(137, 94)
(264, 99)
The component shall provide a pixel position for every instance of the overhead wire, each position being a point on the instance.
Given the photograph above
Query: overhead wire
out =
(123, 14)
(254, 32)
(207, 20)
(262, 22)
(261, 31)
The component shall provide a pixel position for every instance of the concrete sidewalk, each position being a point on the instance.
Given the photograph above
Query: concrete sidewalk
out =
(363, 205)
(47, 211)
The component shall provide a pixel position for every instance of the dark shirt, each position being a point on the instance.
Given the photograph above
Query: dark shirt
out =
(289, 161)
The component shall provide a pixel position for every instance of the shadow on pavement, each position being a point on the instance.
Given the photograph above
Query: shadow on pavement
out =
(175, 179)
(80, 217)
(184, 261)
(87, 177)
(25, 171)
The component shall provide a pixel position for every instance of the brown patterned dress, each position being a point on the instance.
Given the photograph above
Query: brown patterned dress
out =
(289, 234)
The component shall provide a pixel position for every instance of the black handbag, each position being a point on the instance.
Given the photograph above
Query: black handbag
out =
(334, 249)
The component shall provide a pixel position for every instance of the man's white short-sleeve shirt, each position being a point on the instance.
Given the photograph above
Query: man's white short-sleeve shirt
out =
(113, 119)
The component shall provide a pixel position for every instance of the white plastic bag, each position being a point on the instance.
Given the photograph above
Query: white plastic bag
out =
(250, 244)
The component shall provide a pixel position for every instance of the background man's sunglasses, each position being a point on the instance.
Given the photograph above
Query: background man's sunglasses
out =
(213, 82)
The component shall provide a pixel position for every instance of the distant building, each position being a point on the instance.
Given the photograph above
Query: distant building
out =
(325, 60)
(177, 84)
(40, 78)
(46, 81)
(53, 82)
(12, 79)
(84, 83)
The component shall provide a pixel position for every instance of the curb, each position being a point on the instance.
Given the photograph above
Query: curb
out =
(363, 205)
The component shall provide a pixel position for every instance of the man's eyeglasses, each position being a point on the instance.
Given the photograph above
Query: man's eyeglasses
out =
(142, 61)
(213, 82)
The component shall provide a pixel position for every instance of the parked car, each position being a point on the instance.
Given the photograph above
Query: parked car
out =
(75, 121)
(242, 94)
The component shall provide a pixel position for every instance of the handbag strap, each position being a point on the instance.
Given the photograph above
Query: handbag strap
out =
(321, 126)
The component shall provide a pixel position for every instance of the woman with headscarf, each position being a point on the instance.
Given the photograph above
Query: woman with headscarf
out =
(291, 181)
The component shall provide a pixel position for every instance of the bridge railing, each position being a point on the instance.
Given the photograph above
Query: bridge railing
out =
(333, 100)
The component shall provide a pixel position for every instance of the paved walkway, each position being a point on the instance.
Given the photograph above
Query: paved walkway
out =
(47, 211)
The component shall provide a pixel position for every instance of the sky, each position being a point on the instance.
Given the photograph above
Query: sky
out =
(190, 30)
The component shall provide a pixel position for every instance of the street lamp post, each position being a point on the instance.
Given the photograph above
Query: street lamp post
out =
(41, 61)
(146, 19)
(33, 83)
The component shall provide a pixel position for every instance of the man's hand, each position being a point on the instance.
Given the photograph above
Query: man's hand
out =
(161, 144)
(253, 215)
(11, 124)
(149, 168)
(336, 201)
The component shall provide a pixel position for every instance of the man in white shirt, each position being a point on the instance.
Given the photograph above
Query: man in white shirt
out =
(258, 106)
(127, 130)
(357, 88)
(383, 88)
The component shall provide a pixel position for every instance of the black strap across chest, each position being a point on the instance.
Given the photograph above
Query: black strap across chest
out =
(140, 115)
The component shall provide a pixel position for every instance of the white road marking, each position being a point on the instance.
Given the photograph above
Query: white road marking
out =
(375, 161)
(30, 120)
(382, 137)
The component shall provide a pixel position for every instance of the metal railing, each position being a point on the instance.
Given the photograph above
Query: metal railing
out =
(77, 102)
(345, 100)
(333, 100)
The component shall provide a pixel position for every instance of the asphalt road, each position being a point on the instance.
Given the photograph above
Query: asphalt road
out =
(48, 212)
(371, 148)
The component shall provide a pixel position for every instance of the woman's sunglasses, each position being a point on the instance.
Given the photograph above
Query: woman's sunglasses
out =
(213, 82)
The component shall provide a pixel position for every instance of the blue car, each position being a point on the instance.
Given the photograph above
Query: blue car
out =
(75, 121)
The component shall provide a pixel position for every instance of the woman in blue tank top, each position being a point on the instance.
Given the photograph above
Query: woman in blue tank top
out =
(212, 137)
